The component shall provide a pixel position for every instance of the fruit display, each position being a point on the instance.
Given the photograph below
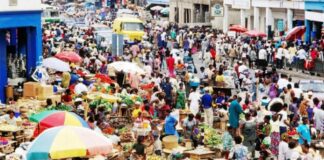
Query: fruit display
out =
(211, 137)
(154, 157)
(101, 102)
(8, 128)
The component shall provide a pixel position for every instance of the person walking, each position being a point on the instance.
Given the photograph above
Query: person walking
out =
(235, 110)
(206, 101)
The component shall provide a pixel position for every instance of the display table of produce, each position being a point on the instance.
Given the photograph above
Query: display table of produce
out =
(7, 147)
(200, 153)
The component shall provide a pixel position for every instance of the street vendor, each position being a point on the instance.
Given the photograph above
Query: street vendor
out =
(9, 118)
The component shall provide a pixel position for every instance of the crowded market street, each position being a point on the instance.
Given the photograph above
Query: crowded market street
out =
(155, 80)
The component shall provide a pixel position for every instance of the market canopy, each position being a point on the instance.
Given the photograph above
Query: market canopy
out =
(156, 8)
(237, 28)
(295, 33)
(68, 142)
(56, 64)
(126, 67)
(69, 56)
(254, 33)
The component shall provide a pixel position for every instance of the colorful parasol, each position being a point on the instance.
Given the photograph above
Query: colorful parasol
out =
(296, 32)
(254, 33)
(69, 56)
(68, 142)
(237, 28)
(53, 118)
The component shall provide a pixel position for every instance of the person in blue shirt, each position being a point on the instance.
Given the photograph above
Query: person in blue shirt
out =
(170, 124)
(206, 101)
(235, 110)
(167, 89)
(304, 132)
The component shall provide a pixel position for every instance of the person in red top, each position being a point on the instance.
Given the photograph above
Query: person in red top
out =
(314, 53)
(67, 98)
(170, 63)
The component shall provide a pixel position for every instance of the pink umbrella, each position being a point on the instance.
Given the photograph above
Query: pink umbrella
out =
(255, 33)
(237, 28)
(296, 32)
(69, 56)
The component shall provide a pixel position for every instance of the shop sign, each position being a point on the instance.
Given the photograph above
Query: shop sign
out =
(12, 2)
(218, 10)
(241, 4)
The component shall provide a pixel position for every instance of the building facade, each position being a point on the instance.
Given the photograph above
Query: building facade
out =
(314, 19)
(271, 16)
(20, 37)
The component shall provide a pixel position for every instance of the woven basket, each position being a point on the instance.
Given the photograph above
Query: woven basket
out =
(170, 142)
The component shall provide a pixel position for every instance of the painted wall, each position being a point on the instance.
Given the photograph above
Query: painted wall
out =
(22, 5)
(31, 21)
(314, 5)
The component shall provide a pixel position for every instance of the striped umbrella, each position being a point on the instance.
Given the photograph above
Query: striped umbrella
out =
(53, 118)
(68, 142)
(296, 32)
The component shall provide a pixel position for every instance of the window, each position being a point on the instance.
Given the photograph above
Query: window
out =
(131, 26)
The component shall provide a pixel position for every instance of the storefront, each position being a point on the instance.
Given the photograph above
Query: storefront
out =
(20, 40)
(314, 19)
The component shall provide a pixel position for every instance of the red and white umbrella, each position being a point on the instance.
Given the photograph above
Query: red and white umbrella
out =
(254, 33)
(237, 28)
(69, 56)
(296, 32)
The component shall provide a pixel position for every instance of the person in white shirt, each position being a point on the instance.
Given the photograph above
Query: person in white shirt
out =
(297, 91)
(262, 57)
(302, 55)
(279, 55)
(283, 147)
(283, 82)
(80, 87)
(194, 98)
(10, 118)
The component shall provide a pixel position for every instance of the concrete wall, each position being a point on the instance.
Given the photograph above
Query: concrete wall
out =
(22, 5)
(217, 22)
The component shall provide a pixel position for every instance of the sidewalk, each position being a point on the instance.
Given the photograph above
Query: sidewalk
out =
(299, 74)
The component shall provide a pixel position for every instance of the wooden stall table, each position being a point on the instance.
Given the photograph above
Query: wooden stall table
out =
(198, 155)
(11, 132)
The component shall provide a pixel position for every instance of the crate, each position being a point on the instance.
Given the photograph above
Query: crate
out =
(31, 89)
(45, 91)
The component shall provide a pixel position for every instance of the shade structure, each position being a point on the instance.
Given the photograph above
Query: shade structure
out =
(254, 33)
(165, 11)
(295, 33)
(126, 67)
(276, 105)
(69, 56)
(237, 28)
(53, 118)
(68, 142)
(56, 64)
(156, 8)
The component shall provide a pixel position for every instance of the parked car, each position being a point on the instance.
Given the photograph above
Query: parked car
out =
(316, 86)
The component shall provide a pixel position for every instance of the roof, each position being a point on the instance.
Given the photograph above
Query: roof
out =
(128, 19)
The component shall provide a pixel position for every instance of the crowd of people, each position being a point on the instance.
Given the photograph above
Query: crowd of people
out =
(184, 65)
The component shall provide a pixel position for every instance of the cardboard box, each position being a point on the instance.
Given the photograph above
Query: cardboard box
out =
(44, 92)
(31, 89)
(55, 99)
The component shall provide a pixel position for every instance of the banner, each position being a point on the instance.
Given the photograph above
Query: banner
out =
(217, 10)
